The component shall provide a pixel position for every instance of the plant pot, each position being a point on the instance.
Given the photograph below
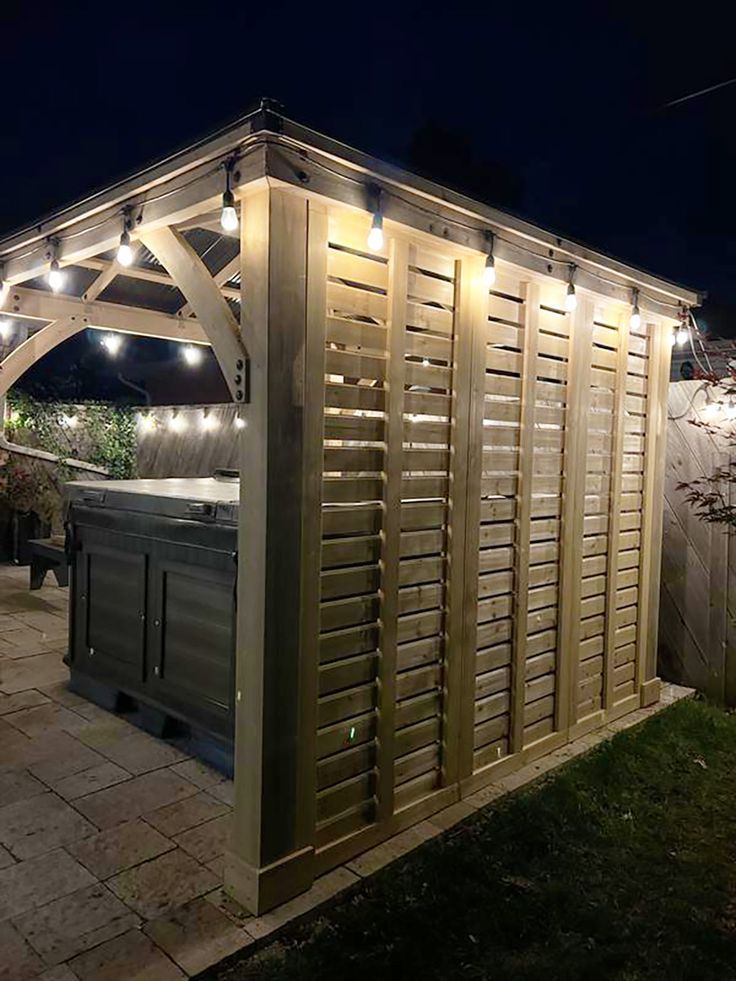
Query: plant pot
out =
(24, 528)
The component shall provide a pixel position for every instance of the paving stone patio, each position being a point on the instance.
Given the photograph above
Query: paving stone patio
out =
(112, 842)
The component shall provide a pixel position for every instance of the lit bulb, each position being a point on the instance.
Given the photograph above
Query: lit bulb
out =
(239, 423)
(5, 328)
(56, 276)
(635, 322)
(112, 344)
(489, 273)
(682, 336)
(209, 422)
(425, 362)
(229, 216)
(177, 424)
(4, 288)
(571, 300)
(375, 235)
(192, 355)
(731, 410)
(125, 253)
(147, 422)
(70, 421)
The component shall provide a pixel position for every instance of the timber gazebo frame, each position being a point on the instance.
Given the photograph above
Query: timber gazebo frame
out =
(451, 498)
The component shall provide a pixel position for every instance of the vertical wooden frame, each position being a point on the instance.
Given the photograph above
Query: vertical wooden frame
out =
(660, 353)
(524, 515)
(573, 512)
(270, 858)
(614, 513)
(311, 557)
(391, 533)
(471, 318)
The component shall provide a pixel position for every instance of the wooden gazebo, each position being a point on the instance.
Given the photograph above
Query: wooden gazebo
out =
(452, 466)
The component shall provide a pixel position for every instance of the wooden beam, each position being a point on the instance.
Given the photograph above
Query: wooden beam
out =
(33, 349)
(147, 275)
(194, 280)
(43, 305)
(223, 276)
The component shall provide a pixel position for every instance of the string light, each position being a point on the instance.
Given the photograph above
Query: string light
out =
(229, 216)
(571, 300)
(489, 273)
(5, 329)
(177, 423)
(112, 343)
(635, 322)
(375, 235)
(682, 335)
(125, 252)
(70, 421)
(192, 355)
(239, 423)
(209, 422)
(56, 276)
(147, 422)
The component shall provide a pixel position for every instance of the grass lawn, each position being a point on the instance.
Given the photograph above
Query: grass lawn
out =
(619, 866)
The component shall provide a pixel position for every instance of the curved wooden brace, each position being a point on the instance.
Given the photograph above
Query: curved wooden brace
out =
(33, 349)
(203, 295)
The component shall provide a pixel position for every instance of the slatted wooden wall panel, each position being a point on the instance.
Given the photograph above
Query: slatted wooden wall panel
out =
(482, 511)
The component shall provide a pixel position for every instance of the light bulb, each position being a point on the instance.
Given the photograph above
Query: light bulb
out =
(5, 329)
(682, 336)
(147, 422)
(209, 422)
(4, 288)
(125, 253)
(70, 421)
(635, 322)
(375, 235)
(229, 216)
(177, 424)
(239, 423)
(571, 300)
(731, 410)
(192, 355)
(112, 344)
(56, 276)
(711, 411)
(489, 273)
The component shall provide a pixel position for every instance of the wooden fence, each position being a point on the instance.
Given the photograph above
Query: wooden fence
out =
(187, 441)
(490, 520)
(698, 604)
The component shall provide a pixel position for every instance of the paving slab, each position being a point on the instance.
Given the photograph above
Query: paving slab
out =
(18, 961)
(32, 672)
(198, 773)
(45, 718)
(39, 824)
(23, 699)
(130, 957)
(207, 842)
(183, 815)
(130, 748)
(58, 755)
(324, 889)
(126, 801)
(197, 935)
(393, 848)
(18, 785)
(88, 781)
(159, 886)
(112, 851)
(75, 923)
(38, 881)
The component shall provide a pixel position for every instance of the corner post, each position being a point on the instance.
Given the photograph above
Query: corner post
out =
(271, 858)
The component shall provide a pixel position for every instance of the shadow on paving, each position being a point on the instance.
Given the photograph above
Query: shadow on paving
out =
(619, 866)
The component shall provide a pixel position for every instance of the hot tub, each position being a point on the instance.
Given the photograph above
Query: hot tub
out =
(152, 611)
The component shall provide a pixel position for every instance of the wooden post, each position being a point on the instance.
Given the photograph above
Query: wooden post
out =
(391, 533)
(271, 855)
(524, 514)
(614, 513)
(573, 513)
(660, 353)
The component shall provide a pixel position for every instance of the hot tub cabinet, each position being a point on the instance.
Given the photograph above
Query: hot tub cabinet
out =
(154, 567)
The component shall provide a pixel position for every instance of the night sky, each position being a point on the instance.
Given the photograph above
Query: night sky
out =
(555, 111)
